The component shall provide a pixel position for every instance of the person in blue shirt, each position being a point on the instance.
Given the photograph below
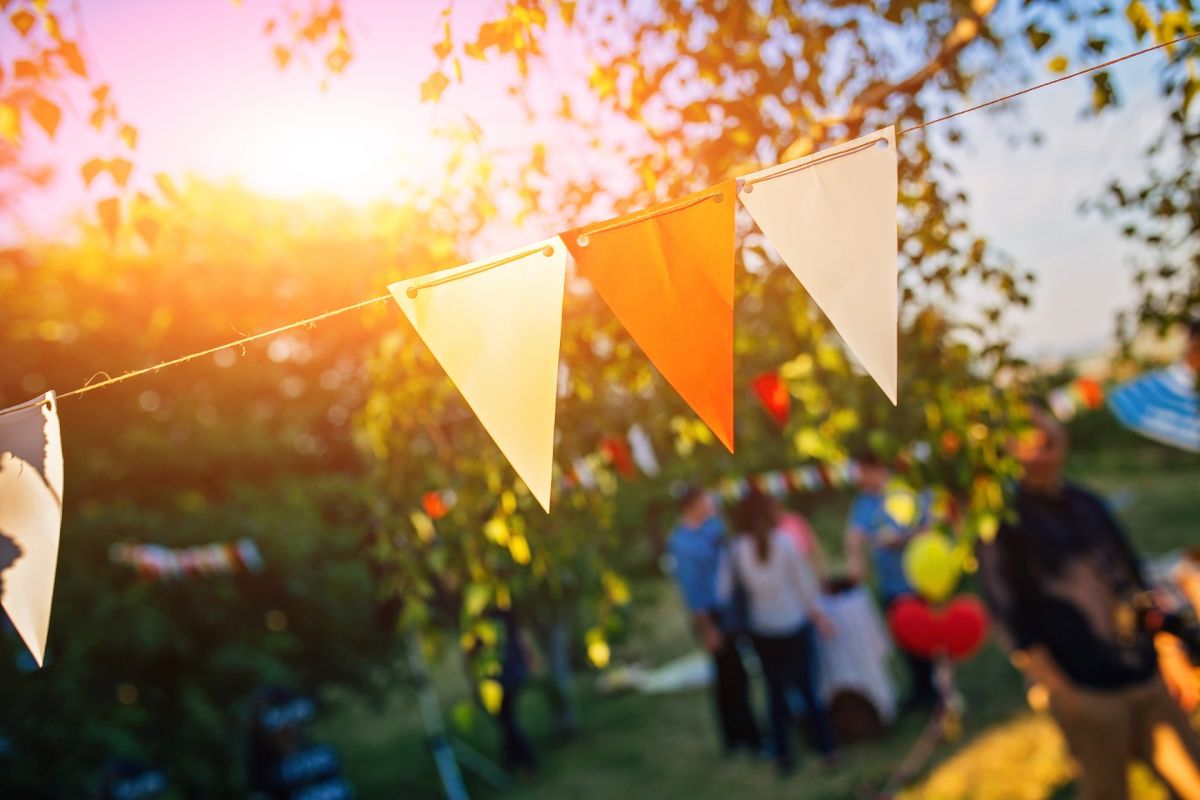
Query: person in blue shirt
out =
(872, 529)
(696, 547)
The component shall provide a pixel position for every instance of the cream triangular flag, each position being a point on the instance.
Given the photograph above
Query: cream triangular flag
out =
(31, 490)
(832, 217)
(494, 326)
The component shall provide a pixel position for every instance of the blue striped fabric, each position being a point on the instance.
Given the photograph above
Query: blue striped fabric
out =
(1162, 405)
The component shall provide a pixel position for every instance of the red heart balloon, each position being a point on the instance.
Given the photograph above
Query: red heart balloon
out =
(914, 626)
(957, 631)
(964, 627)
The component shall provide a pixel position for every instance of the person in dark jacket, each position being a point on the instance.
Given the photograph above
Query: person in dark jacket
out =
(1065, 588)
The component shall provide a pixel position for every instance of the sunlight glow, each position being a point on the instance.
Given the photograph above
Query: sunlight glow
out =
(347, 157)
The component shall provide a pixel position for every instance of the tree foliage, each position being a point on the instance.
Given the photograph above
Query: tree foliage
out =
(252, 442)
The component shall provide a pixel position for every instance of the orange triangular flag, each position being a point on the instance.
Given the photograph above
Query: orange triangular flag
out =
(667, 273)
(494, 326)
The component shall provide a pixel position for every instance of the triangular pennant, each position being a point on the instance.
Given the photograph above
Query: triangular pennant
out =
(31, 491)
(495, 326)
(832, 217)
(667, 274)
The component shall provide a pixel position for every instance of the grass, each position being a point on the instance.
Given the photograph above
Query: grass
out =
(664, 746)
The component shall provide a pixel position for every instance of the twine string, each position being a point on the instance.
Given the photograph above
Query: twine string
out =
(452, 276)
(642, 216)
(91, 387)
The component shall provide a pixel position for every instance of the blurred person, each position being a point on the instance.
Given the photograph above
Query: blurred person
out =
(871, 528)
(127, 779)
(695, 546)
(276, 732)
(797, 527)
(1064, 585)
(514, 672)
(783, 605)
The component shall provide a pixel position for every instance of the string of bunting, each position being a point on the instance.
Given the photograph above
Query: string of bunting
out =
(494, 325)
(157, 562)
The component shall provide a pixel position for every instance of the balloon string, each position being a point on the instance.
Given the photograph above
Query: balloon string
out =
(649, 213)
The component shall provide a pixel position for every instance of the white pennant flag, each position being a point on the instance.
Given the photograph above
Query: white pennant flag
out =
(643, 450)
(495, 326)
(832, 217)
(31, 490)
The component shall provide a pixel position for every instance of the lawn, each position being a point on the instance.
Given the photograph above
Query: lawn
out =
(664, 746)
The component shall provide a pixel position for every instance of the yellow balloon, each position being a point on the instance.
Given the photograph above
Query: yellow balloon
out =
(932, 566)
(901, 507)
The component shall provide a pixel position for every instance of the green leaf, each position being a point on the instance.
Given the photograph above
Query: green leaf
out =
(1037, 37)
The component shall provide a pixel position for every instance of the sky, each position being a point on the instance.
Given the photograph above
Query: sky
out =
(197, 78)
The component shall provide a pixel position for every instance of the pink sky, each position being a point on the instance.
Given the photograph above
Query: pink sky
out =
(198, 79)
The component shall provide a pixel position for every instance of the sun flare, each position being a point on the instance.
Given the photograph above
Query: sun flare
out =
(347, 157)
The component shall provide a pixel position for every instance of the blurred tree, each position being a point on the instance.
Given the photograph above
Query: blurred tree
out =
(1162, 212)
(252, 442)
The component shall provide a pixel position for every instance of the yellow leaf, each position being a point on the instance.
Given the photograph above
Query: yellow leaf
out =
(147, 230)
(508, 502)
(475, 599)
(496, 530)
(120, 168)
(70, 54)
(22, 20)
(45, 114)
(432, 88)
(1058, 64)
(423, 526)
(829, 357)
(518, 547)
(599, 654)
(616, 588)
(338, 59)
(491, 694)
(10, 123)
(91, 169)
(988, 527)
(110, 215)
(129, 135)
(443, 48)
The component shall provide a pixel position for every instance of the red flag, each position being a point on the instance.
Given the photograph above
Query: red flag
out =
(1091, 392)
(434, 506)
(618, 453)
(773, 394)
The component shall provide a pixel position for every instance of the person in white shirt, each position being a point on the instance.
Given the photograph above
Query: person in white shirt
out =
(783, 604)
